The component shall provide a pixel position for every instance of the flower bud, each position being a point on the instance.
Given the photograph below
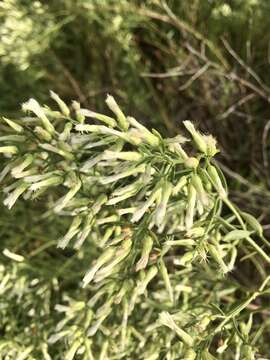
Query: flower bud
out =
(191, 162)
(236, 235)
(198, 185)
(105, 119)
(63, 107)
(76, 106)
(123, 123)
(217, 256)
(213, 174)
(253, 223)
(191, 202)
(42, 134)
(33, 106)
(147, 247)
(197, 137)
(166, 279)
(161, 209)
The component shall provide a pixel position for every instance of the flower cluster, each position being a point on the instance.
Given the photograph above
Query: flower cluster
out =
(145, 216)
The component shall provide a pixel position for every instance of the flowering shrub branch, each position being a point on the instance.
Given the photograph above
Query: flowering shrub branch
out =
(151, 210)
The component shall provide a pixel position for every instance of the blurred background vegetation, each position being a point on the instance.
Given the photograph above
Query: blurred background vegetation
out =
(204, 60)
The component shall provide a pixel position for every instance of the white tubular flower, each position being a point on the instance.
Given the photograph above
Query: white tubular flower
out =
(190, 211)
(236, 235)
(197, 137)
(70, 354)
(4, 172)
(166, 319)
(65, 135)
(166, 279)
(66, 154)
(216, 254)
(117, 199)
(39, 177)
(127, 189)
(146, 205)
(76, 106)
(211, 144)
(14, 195)
(181, 242)
(107, 255)
(108, 219)
(116, 177)
(122, 155)
(145, 133)
(13, 138)
(101, 129)
(82, 235)
(105, 119)
(108, 233)
(51, 181)
(149, 275)
(18, 128)
(141, 286)
(177, 148)
(25, 353)
(33, 106)
(17, 170)
(113, 106)
(147, 247)
(215, 179)
(161, 209)
(63, 107)
(89, 164)
(179, 186)
(190, 354)
(72, 231)
(63, 202)
(198, 185)
(42, 133)
(120, 254)
(88, 223)
(13, 256)
(9, 150)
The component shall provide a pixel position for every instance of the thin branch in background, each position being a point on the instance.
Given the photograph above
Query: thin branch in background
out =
(182, 25)
(193, 78)
(252, 188)
(73, 82)
(234, 77)
(240, 102)
(244, 65)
